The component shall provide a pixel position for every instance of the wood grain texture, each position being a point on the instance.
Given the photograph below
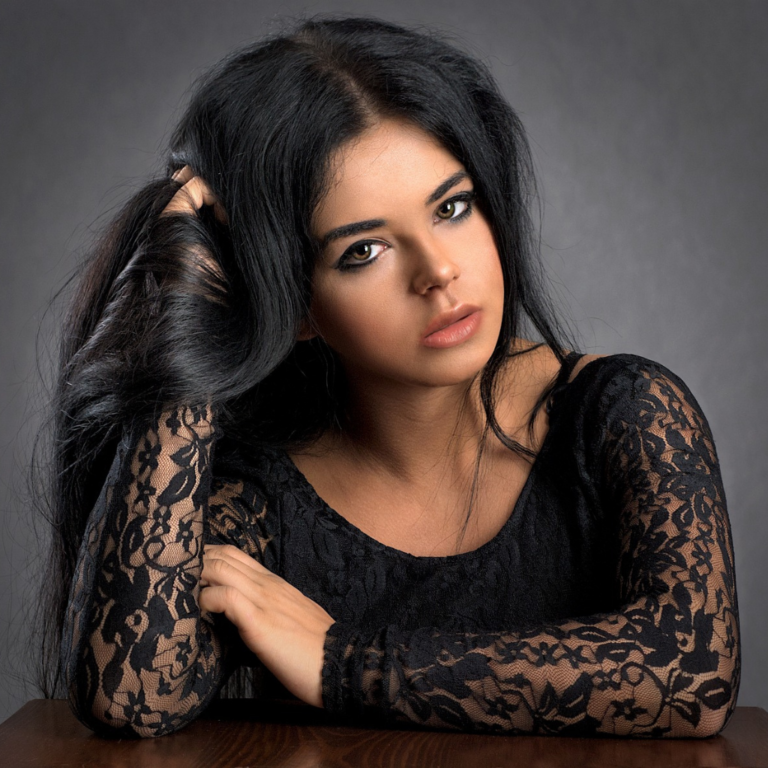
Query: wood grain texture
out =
(44, 734)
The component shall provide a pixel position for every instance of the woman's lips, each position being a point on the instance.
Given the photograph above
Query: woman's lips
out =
(452, 328)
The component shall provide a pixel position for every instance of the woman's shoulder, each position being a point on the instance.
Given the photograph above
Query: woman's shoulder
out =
(613, 391)
(537, 365)
(588, 383)
(625, 370)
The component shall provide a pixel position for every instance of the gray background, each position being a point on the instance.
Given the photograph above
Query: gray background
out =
(648, 123)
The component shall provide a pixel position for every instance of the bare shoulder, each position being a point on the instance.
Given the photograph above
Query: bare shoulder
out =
(539, 364)
(534, 367)
(583, 362)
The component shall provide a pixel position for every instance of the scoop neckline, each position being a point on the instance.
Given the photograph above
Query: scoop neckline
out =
(512, 520)
(366, 539)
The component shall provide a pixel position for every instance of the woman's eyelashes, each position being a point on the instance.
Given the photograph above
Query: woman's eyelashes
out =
(360, 254)
(456, 208)
(365, 252)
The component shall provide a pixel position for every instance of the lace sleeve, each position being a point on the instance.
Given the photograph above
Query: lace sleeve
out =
(666, 663)
(137, 655)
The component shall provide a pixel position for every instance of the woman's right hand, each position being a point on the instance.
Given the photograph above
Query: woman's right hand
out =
(192, 196)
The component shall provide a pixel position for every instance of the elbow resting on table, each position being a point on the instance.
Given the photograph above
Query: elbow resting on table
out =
(701, 703)
(130, 717)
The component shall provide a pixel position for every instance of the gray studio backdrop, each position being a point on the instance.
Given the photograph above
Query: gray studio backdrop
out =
(648, 123)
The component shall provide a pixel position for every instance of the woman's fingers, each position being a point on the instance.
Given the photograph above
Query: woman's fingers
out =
(188, 200)
(230, 551)
(218, 555)
(192, 196)
(183, 175)
(232, 603)
(282, 626)
(219, 571)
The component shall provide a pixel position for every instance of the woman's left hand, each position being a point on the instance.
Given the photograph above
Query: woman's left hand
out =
(283, 627)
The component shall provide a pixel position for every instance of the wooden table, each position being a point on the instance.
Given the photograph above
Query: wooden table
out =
(44, 734)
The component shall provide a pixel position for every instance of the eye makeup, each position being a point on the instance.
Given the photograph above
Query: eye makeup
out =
(348, 261)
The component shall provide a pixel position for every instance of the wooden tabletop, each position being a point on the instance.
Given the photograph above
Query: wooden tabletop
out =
(44, 734)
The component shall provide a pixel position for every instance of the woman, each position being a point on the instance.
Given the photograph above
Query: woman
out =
(301, 430)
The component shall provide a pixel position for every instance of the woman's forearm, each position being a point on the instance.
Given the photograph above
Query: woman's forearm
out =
(655, 668)
(138, 657)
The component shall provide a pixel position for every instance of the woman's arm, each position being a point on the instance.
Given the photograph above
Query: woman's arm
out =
(138, 656)
(666, 663)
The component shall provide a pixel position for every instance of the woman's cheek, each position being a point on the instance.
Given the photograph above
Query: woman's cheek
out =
(362, 327)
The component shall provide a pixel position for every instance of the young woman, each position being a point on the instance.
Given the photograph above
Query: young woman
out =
(305, 441)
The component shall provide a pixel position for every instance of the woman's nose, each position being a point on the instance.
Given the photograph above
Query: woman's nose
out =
(433, 268)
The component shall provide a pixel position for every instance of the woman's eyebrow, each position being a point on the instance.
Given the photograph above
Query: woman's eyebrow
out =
(347, 230)
(449, 183)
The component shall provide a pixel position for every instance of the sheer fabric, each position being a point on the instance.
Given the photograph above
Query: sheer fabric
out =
(605, 605)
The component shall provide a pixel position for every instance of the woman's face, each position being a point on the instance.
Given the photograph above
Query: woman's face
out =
(404, 251)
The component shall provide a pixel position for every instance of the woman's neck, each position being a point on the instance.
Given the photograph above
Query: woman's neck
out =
(412, 432)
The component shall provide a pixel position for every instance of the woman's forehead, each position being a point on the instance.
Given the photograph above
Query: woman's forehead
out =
(393, 160)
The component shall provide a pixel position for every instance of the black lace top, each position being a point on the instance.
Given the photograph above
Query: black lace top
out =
(606, 603)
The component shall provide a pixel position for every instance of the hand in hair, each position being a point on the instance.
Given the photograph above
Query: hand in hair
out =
(193, 195)
(283, 627)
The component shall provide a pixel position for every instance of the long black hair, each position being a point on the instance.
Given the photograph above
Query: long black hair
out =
(182, 309)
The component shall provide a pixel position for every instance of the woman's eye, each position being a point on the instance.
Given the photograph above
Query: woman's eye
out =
(360, 254)
(361, 251)
(455, 208)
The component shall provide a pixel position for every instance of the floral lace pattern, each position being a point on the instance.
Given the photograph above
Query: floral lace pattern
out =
(137, 652)
(141, 659)
(666, 663)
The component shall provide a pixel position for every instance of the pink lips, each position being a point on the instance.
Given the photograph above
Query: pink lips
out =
(453, 327)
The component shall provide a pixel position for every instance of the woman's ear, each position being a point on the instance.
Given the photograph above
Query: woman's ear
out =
(307, 330)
